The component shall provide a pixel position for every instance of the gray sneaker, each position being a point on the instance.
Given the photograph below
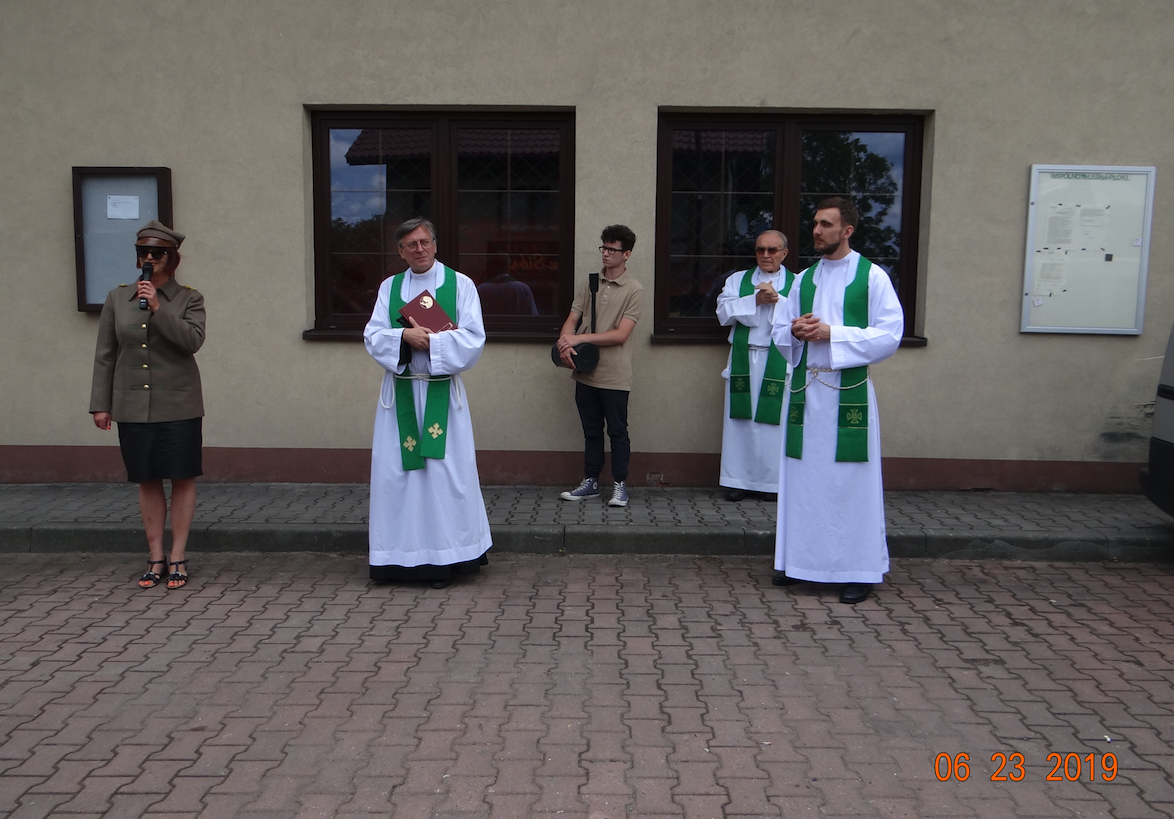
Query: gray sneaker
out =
(619, 494)
(588, 489)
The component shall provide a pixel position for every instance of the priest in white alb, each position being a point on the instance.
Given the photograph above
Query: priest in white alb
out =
(427, 518)
(755, 374)
(841, 316)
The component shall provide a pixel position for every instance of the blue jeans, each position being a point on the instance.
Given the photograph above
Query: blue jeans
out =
(595, 407)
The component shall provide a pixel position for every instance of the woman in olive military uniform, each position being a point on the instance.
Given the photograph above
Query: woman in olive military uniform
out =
(146, 379)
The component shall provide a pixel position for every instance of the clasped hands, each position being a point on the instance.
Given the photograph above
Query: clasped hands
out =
(765, 294)
(416, 336)
(809, 328)
(566, 349)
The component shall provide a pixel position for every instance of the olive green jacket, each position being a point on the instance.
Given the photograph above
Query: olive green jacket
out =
(144, 365)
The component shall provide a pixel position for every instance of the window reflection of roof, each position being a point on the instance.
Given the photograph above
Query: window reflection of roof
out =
(375, 145)
(733, 141)
(500, 141)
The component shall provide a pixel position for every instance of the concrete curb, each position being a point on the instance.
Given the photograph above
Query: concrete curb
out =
(646, 540)
(15, 537)
(341, 538)
(1047, 546)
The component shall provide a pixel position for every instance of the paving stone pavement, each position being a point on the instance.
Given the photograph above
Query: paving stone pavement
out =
(333, 517)
(592, 686)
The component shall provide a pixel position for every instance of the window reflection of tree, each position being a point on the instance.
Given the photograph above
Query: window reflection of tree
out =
(839, 163)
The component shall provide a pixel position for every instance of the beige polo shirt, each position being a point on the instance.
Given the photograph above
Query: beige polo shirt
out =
(616, 300)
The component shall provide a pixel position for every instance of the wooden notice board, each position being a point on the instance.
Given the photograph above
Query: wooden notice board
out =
(1088, 240)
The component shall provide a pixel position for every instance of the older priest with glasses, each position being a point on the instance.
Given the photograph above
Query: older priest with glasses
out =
(427, 520)
(756, 373)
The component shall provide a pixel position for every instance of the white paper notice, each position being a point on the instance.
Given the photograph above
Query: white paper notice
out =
(1051, 269)
(1092, 227)
(1060, 219)
(122, 207)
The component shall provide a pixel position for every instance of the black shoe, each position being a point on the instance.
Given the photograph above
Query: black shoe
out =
(854, 593)
(781, 579)
(441, 584)
(735, 495)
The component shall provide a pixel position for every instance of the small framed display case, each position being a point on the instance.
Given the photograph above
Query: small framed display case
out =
(109, 207)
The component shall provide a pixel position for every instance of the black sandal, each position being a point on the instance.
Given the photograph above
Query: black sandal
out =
(150, 579)
(175, 580)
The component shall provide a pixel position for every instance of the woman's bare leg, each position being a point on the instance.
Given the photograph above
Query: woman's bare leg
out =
(183, 509)
(153, 508)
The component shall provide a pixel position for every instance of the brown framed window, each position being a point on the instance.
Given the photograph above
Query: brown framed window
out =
(724, 178)
(498, 185)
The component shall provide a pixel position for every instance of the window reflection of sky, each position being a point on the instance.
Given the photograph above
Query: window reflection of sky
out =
(363, 184)
(891, 146)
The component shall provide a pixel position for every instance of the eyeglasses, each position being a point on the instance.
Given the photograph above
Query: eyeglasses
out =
(607, 251)
(771, 250)
(155, 253)
(423, 244)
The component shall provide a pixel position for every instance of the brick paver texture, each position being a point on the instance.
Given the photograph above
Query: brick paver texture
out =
(1074, 515)
(584, 686)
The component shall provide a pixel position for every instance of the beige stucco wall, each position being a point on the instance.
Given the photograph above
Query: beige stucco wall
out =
(217, 90)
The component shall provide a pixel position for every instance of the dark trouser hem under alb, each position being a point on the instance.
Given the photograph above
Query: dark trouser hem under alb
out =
(595, 407)
(427, 573)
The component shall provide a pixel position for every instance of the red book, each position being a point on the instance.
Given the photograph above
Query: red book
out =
(427, 313)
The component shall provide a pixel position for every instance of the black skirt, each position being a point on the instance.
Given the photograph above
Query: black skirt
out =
(166, 449)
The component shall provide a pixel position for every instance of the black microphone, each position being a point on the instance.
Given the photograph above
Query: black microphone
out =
(148, 271)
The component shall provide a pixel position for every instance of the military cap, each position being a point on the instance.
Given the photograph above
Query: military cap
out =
(158, 230)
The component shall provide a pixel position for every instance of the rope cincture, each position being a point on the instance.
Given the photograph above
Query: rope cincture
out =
(815, 371)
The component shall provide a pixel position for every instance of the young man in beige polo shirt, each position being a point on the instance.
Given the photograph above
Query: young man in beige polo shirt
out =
(602, 394)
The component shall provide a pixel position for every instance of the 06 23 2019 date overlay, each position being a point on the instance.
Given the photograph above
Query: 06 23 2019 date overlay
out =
(1012, 767)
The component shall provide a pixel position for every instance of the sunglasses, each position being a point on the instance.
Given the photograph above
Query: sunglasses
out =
(155, 253)
(770, 250)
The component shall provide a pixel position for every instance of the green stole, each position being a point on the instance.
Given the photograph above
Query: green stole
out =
(774, 378)
(852, 435)
(431, 441)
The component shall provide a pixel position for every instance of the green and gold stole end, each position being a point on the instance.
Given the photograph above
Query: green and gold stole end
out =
(852, 434)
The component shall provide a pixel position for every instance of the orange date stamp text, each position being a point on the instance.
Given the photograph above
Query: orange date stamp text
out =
(1011, 767)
